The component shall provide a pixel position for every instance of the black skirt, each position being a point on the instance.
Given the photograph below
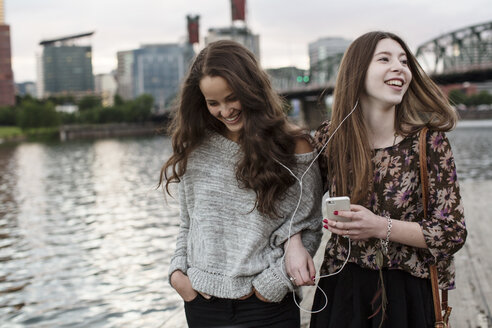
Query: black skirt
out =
(351, 292)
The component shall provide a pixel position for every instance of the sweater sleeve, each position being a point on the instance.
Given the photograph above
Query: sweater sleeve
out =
(273, 282)
(444, 229)
(308, 218)
(179, 259)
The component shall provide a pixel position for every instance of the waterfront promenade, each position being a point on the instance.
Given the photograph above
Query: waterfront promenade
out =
(472, 300)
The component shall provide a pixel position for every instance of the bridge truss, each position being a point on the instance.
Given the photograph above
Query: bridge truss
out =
(465, 50)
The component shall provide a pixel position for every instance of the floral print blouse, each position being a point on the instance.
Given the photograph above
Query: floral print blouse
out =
(397, 193)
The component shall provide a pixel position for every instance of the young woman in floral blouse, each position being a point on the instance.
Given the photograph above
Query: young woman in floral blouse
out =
(374, 159)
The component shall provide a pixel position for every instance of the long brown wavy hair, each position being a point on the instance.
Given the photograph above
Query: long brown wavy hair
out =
(349, 154)
(266, 135)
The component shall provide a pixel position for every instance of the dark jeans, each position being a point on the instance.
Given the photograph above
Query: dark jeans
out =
(248, 313)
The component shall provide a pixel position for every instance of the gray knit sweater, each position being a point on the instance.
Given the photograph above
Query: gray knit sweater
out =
(223, 246)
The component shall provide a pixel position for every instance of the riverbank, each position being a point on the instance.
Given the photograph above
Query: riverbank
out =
(472, 299)
(475, 114)
(13, 134)
(93, 131)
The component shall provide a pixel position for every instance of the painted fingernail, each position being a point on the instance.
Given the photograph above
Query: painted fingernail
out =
(325, 220)
(335, 212)
(325, 226)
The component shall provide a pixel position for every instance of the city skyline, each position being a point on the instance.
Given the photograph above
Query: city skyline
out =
(285, 28)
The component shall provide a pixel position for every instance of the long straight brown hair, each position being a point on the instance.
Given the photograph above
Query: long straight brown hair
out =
(266, 136)
(349, 154)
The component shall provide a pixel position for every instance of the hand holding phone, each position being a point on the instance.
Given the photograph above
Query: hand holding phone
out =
(331, 204)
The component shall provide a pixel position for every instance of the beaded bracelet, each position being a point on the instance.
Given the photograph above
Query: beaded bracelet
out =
(385, 242)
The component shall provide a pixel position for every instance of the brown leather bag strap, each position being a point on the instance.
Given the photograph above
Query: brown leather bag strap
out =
(424, 179)
(444, 299)
(435, 292)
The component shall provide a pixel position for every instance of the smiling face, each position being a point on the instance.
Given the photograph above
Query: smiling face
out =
(223, 104)
(388, 75)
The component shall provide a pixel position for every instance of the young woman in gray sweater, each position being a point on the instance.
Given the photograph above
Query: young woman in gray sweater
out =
(235, 156)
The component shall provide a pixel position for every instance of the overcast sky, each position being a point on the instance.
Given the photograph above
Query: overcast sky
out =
(285, 26)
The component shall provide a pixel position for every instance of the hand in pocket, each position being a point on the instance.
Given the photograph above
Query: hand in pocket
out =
(260, 297)
(182, 284)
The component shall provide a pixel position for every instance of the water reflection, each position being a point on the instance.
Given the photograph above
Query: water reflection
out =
(85, 239)
(471, 143)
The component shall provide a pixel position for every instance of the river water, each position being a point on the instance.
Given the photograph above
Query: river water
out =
(85, 237)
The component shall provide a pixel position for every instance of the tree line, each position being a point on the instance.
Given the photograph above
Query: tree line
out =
(458, 97)
(35, 113)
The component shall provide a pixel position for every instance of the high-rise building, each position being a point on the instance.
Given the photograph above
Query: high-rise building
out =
(240, 34)
(26, 88)
(158, 70)
(7, 88)
(105, 86)
(124, 74)
(67, 66)
(325, 55)
(39, 76)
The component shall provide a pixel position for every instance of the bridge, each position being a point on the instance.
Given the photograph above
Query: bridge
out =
(460, 56)
(463, 55)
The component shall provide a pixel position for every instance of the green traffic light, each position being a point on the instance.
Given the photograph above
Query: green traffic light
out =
(306, 79)
(299, 79)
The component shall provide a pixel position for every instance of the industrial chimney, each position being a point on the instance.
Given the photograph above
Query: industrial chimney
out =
(238, 10)
(193, 29)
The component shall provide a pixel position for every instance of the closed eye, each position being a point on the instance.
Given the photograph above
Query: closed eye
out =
(231, 98)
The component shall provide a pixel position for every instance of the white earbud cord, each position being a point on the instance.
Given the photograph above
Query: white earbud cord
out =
(297, 207)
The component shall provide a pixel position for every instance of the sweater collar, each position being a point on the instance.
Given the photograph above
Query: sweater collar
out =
(221, 141)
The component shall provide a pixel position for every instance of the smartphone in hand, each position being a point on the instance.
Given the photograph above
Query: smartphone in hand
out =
(331, 204)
